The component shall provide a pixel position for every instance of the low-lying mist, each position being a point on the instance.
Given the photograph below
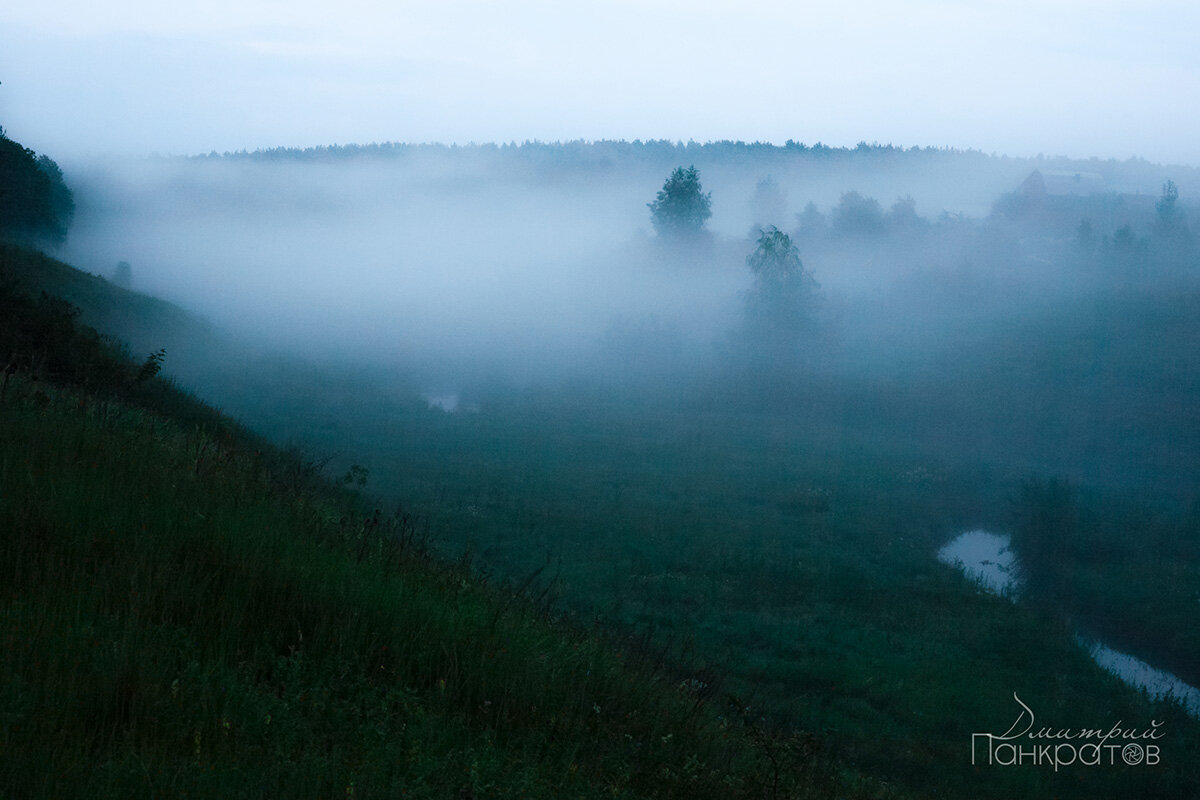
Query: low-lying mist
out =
(956, 296)
(385, 261)
(450, 256)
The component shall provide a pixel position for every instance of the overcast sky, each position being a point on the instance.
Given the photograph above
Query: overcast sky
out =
(1110, 79)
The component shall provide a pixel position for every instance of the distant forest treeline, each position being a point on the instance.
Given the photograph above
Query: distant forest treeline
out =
(603, 147)
(1122, 175)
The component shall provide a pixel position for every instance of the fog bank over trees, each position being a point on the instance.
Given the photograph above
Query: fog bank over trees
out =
(532, 259)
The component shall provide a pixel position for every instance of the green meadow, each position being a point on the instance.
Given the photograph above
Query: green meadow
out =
(462, 485)
(552, 592)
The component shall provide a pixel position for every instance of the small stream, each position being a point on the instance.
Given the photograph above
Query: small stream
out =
(988, 559)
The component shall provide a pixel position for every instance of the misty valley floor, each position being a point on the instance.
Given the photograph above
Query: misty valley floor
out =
(598, 420)
(785, 557)
(779, 546)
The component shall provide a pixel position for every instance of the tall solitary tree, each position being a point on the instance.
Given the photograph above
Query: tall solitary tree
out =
(1172, 238)
(784, 298)
(1170, 220)
(775, 259)
(681, 207)
(1166, 206)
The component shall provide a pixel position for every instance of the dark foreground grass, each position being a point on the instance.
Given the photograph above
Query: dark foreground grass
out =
(179, 619)
(796, 562)
(186, 611)
(207, 621)
(790, 555)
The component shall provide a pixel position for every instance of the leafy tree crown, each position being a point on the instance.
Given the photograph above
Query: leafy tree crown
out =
(782, 304)
(775, 258)
(857, 215)
(681, 207)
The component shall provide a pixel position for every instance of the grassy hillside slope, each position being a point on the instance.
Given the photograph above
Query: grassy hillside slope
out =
(185, 611)
(188, 611)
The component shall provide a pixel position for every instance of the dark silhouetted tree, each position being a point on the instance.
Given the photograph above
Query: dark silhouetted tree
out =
(681, 208)
(775, 258)
(782, 303)
(35, 203)
(1172, 244)
(1167, 205)
(1170, 222)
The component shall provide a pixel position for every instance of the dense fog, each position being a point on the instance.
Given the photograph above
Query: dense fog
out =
(1032, 313)
(384, 258)
(541, 260)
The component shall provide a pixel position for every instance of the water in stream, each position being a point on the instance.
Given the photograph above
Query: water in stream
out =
(988, 559)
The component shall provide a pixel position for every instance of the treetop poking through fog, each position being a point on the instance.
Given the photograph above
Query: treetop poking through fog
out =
(681, 208)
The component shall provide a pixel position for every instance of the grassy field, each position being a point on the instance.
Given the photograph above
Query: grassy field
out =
(187, 611)
(787, 542)
(794, 562)
(763, 577)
